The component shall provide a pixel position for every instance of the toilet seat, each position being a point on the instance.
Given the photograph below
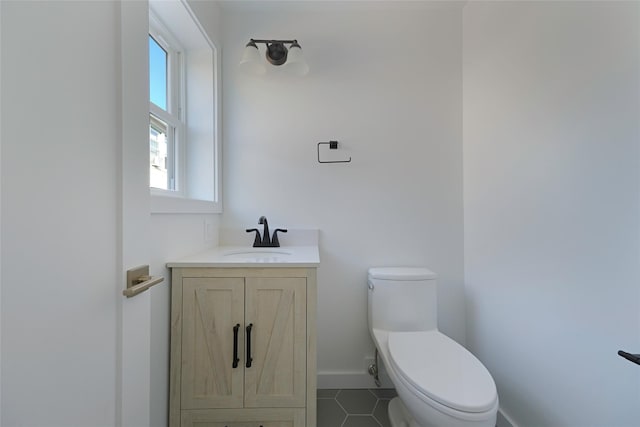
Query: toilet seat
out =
(440, 369)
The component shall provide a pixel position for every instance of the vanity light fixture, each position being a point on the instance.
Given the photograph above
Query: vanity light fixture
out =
(277, 54)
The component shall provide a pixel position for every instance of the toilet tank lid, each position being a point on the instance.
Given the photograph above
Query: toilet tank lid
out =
(401, 273)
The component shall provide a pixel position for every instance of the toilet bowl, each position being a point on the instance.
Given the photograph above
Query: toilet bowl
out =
(439, 383)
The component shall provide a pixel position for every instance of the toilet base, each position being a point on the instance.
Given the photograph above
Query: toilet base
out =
(398, 414)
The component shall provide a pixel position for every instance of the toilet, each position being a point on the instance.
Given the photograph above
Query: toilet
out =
(439, 382)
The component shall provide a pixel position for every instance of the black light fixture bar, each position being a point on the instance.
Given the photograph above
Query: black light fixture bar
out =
(276, 50)
(274, 41)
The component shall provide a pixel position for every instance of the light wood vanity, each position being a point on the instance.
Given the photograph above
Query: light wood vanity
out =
(243, 343)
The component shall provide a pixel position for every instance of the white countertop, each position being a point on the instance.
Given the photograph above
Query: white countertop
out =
(243, 256)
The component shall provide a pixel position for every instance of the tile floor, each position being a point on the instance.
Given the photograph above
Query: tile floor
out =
(354, 407)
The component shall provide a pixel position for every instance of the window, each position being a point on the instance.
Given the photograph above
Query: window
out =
(158, 62)
(183, 116)
(160, 135)
(166, 126)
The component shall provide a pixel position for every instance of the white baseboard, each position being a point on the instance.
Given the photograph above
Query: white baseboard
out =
(504, 420)
(351, 380)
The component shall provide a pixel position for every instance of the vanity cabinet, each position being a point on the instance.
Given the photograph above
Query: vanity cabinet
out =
(243, 347)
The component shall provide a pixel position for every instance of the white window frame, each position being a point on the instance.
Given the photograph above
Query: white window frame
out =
(193, 194)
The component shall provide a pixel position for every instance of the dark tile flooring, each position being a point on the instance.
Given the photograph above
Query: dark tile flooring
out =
(354, 407)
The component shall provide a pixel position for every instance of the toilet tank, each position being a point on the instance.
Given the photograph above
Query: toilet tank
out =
(402, 299)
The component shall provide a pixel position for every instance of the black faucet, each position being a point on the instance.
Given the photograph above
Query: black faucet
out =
(265, 241)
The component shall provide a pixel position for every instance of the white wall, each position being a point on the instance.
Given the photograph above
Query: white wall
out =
(551, 177)
(60, 202)
(59, 196)
(0, 215)
(175, 236)
(385, 82)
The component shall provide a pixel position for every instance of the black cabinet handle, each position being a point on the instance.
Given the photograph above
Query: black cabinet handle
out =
(235, 346)
(635, 358)
(249, 359)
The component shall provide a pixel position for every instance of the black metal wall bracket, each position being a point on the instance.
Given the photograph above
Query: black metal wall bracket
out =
(635, 358)
(333, 145)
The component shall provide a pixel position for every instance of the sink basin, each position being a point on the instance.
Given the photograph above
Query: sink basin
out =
(257, 255)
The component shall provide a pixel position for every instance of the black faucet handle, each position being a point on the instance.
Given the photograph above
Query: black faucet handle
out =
(274, 241)
(256, 242)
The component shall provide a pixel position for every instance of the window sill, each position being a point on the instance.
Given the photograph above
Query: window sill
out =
(180, 205)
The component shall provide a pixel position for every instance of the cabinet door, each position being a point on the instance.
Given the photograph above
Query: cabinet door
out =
(277, 309)
(211, 307)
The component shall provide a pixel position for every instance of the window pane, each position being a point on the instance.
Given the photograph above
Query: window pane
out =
(157, 74)
(158, 147)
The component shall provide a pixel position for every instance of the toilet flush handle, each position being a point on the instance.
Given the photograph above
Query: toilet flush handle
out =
(370, 284)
